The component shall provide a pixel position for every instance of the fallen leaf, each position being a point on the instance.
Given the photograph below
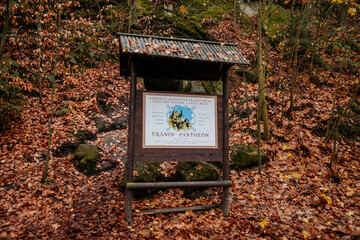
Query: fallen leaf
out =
(263, 223)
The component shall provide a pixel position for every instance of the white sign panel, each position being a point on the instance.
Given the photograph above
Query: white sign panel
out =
(179, 121)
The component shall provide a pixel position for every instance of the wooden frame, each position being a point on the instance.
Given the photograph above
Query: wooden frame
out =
(140, 121)
(134, 139)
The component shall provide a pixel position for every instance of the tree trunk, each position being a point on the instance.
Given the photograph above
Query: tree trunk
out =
(46, 164)
(295, 61)
(261, 72)
(9, 4)
(53, 82)
(343, 12)
(336, 129)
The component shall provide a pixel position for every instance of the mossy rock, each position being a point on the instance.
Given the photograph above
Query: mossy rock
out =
(190, 23)
(68, 148)
(279, 17)
(349, 129)
(246, 156)
(185, 17)
(146, 172)
(86, 157)
(187, 86)
(212, 87)
(196, 171)
(83, 135)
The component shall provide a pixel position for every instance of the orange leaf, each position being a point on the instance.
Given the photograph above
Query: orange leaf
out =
(182, 9)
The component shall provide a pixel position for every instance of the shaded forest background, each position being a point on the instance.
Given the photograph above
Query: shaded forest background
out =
(60, 74)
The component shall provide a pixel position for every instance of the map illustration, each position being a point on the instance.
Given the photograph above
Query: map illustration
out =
(181, 118)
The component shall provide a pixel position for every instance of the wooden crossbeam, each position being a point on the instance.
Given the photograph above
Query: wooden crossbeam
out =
(194, 184)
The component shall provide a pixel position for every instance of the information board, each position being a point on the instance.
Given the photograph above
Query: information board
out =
(179, 121)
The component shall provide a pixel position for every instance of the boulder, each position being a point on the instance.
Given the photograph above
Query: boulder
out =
(102, 124)
(209, 87)
(246, 156)
(116, 123)
(67, 148)
(86, 157)
(212, 87)
(196, 171)
(119, 123)
(191, 87)
(146, 172)
(83, 135)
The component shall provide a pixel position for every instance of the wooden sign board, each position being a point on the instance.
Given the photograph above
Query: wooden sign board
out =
(179, 121)
(160, 136)
(174, 126)
(167, 126)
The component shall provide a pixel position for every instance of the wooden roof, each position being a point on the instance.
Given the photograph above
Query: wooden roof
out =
(176, 58)
(181, 48)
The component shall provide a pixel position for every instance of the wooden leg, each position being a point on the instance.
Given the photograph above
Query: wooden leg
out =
(128, 206)
(226, 201)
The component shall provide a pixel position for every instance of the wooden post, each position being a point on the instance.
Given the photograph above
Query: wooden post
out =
(131, 143)
(226, 164)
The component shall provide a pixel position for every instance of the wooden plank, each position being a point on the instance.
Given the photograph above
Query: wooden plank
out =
(131, 144)
(226, 163)
(167, 185)
(179, 158)
(176, 151)
(178, 209)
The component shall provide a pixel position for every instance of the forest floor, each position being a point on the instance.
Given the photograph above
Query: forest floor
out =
(295, 197)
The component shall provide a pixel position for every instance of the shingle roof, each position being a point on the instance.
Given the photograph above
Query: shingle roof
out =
(181, 48)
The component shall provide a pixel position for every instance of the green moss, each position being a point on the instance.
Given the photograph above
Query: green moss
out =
(68, 147)
(212, 87)
(279, 18)
(246, 156)
(190, 23)
(145, 7)
(63, 111)
(86, 157)
(149, 172)
(196, 171)
(146, 172)
(81, 136)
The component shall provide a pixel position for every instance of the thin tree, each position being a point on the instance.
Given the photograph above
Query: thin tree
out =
(52, 80)
(260, 70)
(261, 108)
(9, 4)
(39, 75)
(336, 129)
(294, 62)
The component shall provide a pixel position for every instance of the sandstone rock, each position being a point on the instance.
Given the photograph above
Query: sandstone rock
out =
(196, 171)
(86, 157)
(246, 156)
